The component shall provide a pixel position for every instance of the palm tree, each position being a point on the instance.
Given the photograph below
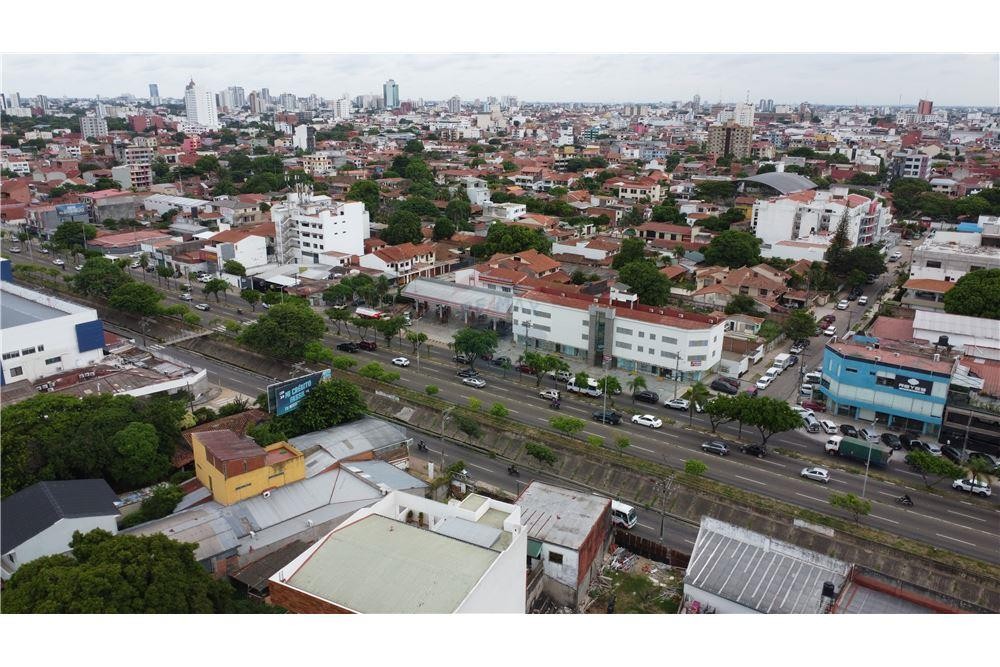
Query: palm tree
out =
(979, 469)
(143, 264)
(610, 385)
(636, 384)
(698, 395)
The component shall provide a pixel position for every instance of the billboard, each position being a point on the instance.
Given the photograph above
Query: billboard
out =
(283, 397)
(913, 385)
(69, 210)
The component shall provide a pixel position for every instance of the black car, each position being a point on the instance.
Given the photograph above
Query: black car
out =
(907, 439)
(726, 388)
(891, 440)
(608, 417)
(954, 454)
(500, 361)
(849, 430)
(463, 358)
(369, 345)
(760, 451)
(852, 296)
(468, 373)
(715, 447)
(792, 360)
(989, 459)
(646, 396)
(347, 347)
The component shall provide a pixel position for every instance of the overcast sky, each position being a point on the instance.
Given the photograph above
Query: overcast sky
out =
(948, 79)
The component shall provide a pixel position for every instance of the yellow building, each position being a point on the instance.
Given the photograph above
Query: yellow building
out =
(234, 467)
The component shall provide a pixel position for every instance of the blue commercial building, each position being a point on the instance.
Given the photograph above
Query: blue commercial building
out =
(903, 390)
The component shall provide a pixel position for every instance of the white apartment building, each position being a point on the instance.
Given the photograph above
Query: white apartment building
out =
(658, 341)
(950, 255)
(199, 104)
(42, 335)
(802, 215)
(307, 226)
(342, 108)
(92, 126)
(507, 212)
(247, 248)
(133, 176)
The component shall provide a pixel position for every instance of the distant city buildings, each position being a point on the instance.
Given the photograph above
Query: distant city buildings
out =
(92, 126)
(199, 105)
(390, 94)
(455, 104)
(730, 140)
(925, 107)
(154, 94)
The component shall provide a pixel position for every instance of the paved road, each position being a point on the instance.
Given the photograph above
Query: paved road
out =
(950, 520)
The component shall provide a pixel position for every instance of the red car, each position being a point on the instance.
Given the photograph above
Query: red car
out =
(368, 345)
(814, 406)
(525, 368)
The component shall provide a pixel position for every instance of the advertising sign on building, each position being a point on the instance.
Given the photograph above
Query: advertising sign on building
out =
(70, 210)
(283, 397)
(913, 385)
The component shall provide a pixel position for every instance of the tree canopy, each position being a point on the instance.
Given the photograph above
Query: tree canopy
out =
(138, 298)
(476, 343)
(404, 226)
(976, 294)
(511, 239)
(651, 286)
(799, 324)
(632, 249)
(367, 192)
(284, 330)
(71, 234)
(99, 277)
(733, 249)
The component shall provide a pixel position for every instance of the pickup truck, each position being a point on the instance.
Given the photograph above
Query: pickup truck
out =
(859, 450)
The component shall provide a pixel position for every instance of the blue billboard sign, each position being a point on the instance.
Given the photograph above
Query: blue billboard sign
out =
(70, 210)
(283, 397)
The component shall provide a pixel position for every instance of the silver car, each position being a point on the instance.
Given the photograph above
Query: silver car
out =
(476, 382)
(817, 474)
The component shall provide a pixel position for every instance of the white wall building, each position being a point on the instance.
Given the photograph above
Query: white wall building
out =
(659, 341)
(950, 255)
(199, 104)
(42, 335)
(92, 126)
(804, 214)
(307, 226)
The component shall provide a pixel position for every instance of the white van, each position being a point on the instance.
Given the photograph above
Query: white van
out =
(592, 388)
(623, 515)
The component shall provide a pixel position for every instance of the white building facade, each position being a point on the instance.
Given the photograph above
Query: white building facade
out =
(307, 226)
(805, 214)
(199, 104)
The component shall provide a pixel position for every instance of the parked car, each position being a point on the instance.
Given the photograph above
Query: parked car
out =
(719, 384)
(368, 345)
(525, 368)
(896, 256)
(561, 376)
(468, 373)
(806, 389)
(830, 331)
(476, 382)
(347, 347)
(990, 460)
(798, 348)
(134, 265)
(828, 426)
(978, 486)
(652, 421)
(202, 306)
(862, 301)
(78, 267)
(813, 377)
(186, 296)
(817, 474)
(872, 277)
(814, 405)
(843, 304)
(909, 244)
(463, 358)
(891, 440)
(764, 382)
(827, 319)
(401, 361)
(868, 433)
(928, 447)
(551, 394)
(715, 447)
(760, 451)
(609, 417)
(678, 404)
(58, 262)
(852, 295)
(646, 396)
(792, 360)
(15, 249)
(848, 430)
(954, 454)
(803, 412)
(500, 361)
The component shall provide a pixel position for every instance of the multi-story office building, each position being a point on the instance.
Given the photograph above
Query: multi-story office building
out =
(925, 107)
(658, 341)
(910, 164)
(92, 126)
(455, 104)
(154, 94)
(390, 94)
(237, 96)
(308, 226)
(802, 215)
(304, 138)
(199, 104)
(948, 256)
(730, 140)
(342, 107)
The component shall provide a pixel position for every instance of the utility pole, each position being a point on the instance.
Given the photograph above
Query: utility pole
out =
(527, 325)
(864, 486)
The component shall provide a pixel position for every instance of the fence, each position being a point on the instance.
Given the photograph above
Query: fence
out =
(650, 549)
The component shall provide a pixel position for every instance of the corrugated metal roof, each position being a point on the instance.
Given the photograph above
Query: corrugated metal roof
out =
(323, 448)
(384, 473)
(468, 531)
(755, 571)
(476, 298)
(560, 516)
(785, 183)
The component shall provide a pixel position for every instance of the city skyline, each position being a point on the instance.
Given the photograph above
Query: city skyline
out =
(847, 79)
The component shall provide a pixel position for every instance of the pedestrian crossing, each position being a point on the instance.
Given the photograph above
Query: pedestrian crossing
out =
(155, 347)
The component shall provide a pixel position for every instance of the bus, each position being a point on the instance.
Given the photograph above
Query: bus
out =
(623, 515)
(369, 313)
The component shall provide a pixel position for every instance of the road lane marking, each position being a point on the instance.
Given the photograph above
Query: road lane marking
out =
(751, 480)
(642, 449)
(773, 463)
(875, 516)
(473, 465)
(819, 500)
(688, 541)
(967, 516)
(955, 539)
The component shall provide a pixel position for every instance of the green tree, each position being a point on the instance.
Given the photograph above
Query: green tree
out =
(720, 410)
(633, 249)
(73, 234)
(164, 272)
(284, 330)
(475, 343)
(716, 191)
(858, 507)
(317, 353)
(443, 229)
(856, 278)
(252, 297)
(389, 327)
(138, 298)
(799, 324)
(214, 286)
(367, 192)
(414, 146)
(541, 453)
(651, 286)
(330, 403)
(622, 443)
(741, 303)
(499, 410)
(509, 239)
(161, 503)
(99, 277)
(699, 395)
(695, 468)
(976, 294)
(610, 385)
(416, 339)
(733, 249)
(122, 574)
(342, 362)
(770, 416)
(567, 425)
(932, 469)
(667, 212)
(232, 267)
(458, 211)
(138, 461)
(635, 385)
(403, 227)
(431, 390)
(542, 364)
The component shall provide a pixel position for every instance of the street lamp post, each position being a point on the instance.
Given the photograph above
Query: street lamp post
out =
(604, 369)
(864, 486)
(677, 366)
(527, 325)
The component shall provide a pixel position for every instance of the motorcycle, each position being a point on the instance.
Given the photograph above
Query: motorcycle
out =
(421, 447)
(905, 500)
(512, 470)
(239, 311)
(555, 405)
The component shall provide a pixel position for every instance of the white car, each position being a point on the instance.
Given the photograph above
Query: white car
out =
(678, 404)
(202, 306)
(58, 262)
(135, 265)
(828, 426)
(185, 296)
(803, 412)
(764, 382)
(909, 244)
(976, 486)
(78, 267)
(862, 301)
(830, 331)
(818, 474)
(478, 383)
(551, 394)
(401, 361)
(844, 304)
(652, 421)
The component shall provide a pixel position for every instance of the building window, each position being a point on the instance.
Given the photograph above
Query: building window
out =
(540, 313)
(242, 486)
(623, 331)
(16, 372)
(639, 349)
(11, 355)
(41, 348)
(933, 264)
(698, 343)
(28, 350)
(624, 346)
(851, 370)
(642, 334)
(697, 357)
(555, 558)
(53, 360)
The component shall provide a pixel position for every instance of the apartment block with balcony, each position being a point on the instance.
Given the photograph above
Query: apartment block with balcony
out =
(947, 256)
(812, 215)
(308, 226)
